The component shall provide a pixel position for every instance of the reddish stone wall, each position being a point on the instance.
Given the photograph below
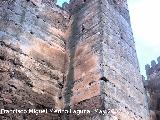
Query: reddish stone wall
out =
(50, 59)
(120, 64)
(32, 57)
(103, 61)
(83, 80)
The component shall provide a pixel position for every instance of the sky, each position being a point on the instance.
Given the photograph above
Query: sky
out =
(60, 2)
(145, 21)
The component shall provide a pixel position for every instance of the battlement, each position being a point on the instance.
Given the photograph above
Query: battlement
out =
(75, 5)
(120, 5)
(40, 2)
(153, 68)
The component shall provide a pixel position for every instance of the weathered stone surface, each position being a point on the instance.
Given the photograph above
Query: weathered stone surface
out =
(152, 85)
(82, 57)
(32, 57)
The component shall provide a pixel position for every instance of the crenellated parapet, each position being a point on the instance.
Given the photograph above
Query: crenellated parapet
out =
(153, 74)
(153, 70)
(76, 5)
(120, 5)
(48, 2)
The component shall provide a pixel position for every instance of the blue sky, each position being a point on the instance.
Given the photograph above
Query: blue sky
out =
(60, 2)
(145, 20)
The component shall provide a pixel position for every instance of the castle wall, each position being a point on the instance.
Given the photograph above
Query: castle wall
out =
(152, 85)
(153, 71)
(81, 59)
(105, 71)
(120, 65)
(32, 57)
(83, 80)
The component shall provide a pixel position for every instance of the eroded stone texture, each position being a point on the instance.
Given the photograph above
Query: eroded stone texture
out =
(152, 85)
(120, 63)
(103, 60)
(82, 57)
(32, 57)
(83, 80)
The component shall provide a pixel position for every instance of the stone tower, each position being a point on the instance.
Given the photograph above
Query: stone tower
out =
(104, 71)
(152, 85)
(79, 57)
